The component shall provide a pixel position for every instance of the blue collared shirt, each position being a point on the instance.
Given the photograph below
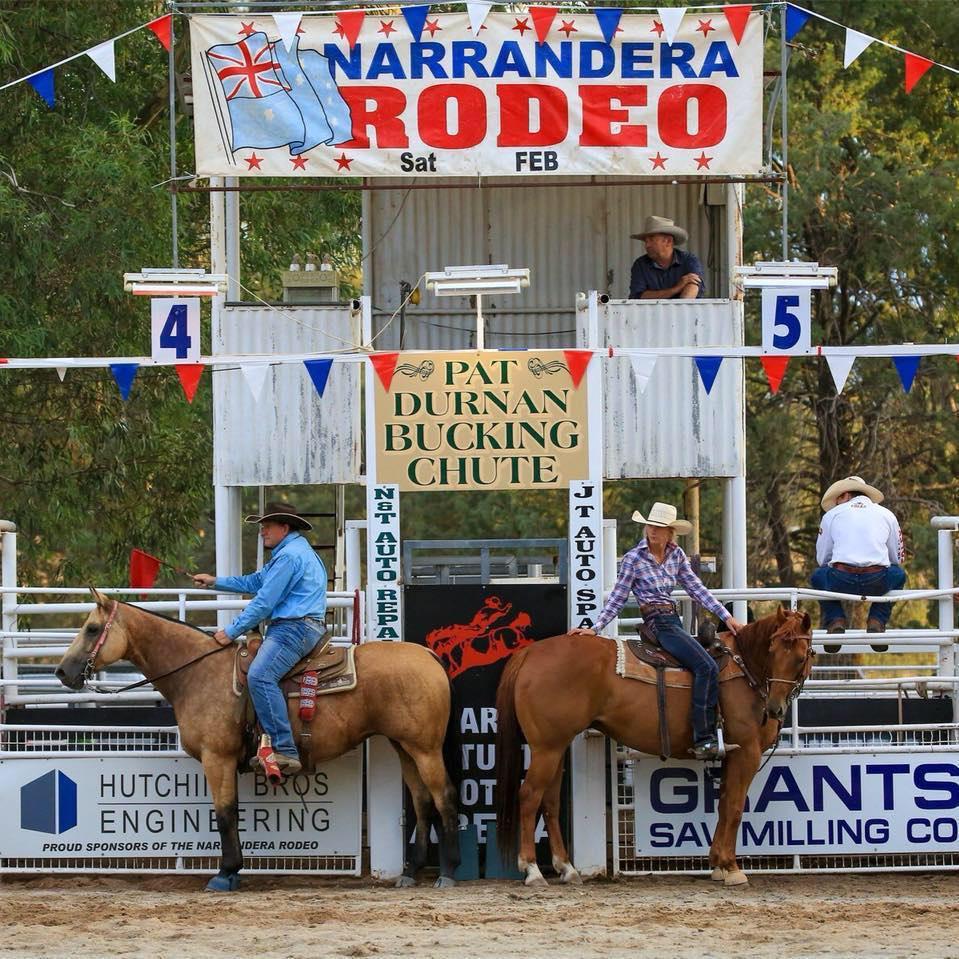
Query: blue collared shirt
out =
(647, 274)
(292, 584)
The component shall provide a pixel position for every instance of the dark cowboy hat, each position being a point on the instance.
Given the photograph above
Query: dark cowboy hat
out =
(281, 513)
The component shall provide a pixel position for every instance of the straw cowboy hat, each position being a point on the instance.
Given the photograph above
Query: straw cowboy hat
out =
(281, 513)
(660, 224)
(851, 484)
(662, 514)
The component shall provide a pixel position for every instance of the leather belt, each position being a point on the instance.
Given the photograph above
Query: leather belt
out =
(657, 609)
(846, 568)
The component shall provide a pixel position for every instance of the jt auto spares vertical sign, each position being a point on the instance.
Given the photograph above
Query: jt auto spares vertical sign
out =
(482, 420)
(413, 93)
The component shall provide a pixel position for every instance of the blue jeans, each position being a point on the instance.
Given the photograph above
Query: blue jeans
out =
(287, 642)
(859, 584)
(676, 641)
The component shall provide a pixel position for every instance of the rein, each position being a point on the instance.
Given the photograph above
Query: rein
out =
(88, 669)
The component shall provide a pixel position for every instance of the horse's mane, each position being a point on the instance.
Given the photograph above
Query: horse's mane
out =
(169, 619)
(753, 639)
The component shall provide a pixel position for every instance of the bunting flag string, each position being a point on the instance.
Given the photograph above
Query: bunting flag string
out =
(384, 364)
(351, 22)
(775, 367)
(43, 84)
(577, 361)
(737, 15)
(254, 375)
(708, 367)
(670, 18)
(189, 374)
(287, 24)
(856, 42)
(543, 18)
(162, 29)
(124, 374)
(839, 368)
(608, 19)
(478, 11)
(104, 56)
(415, 18)
(642, 370)
(906, 367)
(319, 371)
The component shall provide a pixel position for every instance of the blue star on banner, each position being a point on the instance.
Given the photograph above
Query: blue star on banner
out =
(43, 84)
(796, 19)
(124, 374)
(416, 19)
(708, 367)
(319, 371)
(906, 367)
(608, 19)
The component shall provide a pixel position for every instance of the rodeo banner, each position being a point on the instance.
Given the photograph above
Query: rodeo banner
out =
(407, 93)
(481, 420)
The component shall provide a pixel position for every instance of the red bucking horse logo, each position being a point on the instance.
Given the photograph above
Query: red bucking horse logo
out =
(489, 636)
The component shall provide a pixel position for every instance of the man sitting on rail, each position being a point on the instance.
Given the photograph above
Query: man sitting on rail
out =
(858, 551)
(290, 592)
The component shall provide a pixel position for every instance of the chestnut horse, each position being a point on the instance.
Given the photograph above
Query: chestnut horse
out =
(556, 688)
(402, 693)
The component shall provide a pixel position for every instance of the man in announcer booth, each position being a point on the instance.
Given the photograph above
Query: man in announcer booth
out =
(665, 273)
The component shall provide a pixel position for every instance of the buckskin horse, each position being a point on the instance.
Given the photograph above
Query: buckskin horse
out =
(402, 693)
(556, 688)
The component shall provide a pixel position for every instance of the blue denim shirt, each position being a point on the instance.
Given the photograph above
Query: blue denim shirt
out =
(290, 585)
(649, 275)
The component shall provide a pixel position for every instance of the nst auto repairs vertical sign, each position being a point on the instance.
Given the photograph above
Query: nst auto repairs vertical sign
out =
(808, 805)
(134, 807)
(411, 93)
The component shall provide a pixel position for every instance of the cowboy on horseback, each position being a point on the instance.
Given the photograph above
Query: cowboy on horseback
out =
(651, 570)
(289, 592)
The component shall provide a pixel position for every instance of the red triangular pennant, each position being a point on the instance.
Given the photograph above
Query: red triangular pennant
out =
(161, 28)
(737, 15)
(543, 18)
(916, 68)
(384, 364)
(351, 21)
(577, 361)
(189, 374)
(775, 367)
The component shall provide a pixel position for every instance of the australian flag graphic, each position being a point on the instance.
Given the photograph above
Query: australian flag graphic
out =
(277, 97)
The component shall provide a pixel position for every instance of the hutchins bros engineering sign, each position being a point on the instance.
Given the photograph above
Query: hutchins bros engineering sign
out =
(481, 420)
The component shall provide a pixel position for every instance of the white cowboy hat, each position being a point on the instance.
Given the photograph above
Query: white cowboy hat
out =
(282, 513)
(851, 484)
(662, 514)
(660, 224)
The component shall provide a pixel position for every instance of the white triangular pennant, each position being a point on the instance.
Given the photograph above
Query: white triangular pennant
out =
(856, 42)
(255, 377)
(103, 56)
(287, 24)
(478, 11)
(61, 372)
(643, 364)
(840, 366)
(671, 18)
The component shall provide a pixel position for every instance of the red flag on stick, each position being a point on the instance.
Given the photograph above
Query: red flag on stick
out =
(143, 569)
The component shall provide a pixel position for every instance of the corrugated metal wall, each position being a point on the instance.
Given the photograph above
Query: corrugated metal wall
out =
(574, 238)
(674, 428)
(291, 435)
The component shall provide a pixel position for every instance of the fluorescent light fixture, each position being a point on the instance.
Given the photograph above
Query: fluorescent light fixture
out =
(167, 282)
(477, 280)
(783, 275)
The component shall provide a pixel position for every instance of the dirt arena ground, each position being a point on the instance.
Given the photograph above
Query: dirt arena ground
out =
(775, 916)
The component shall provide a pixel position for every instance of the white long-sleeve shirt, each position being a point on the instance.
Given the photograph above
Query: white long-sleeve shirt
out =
(859, 532)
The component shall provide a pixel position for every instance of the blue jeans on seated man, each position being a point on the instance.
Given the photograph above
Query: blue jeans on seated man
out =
(287, 642)
(677, 642)
(859, 584)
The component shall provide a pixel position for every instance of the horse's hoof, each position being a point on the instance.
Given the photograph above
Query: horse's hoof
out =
(404, 882)
(718, 874)
(228, 883)
(571, 877)
(444, 882)
(736, 877)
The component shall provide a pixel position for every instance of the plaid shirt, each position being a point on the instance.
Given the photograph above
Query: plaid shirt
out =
(651, 582)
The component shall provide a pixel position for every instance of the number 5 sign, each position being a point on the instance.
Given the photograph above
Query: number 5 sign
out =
(787, 320)
(175, 328)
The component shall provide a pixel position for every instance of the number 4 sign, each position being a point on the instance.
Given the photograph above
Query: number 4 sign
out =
(787, 320)
(175, 328)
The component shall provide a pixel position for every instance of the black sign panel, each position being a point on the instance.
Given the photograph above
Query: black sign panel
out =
(474, 630)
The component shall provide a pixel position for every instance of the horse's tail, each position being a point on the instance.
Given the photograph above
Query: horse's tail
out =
(453, 745)
(509, 759)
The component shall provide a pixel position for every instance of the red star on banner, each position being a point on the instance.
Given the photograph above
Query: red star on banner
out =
(299, 163)
(522, 26)
(343, 161)
(659, 162)
(432, 26)
(703, 161)
(705, 26)
(658, 28)
(386, 27)
(338, 30)
(253, 161)
(246, 29)
(568, 28)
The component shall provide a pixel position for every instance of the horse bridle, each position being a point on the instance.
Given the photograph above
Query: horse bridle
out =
(89, 669)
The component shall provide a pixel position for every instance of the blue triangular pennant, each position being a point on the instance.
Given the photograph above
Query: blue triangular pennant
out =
(416, 19)
(795, 20)
(124, 373)
(608, 18)
(43, 84)
(906, 367)
(319, 371)
(708, 367)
